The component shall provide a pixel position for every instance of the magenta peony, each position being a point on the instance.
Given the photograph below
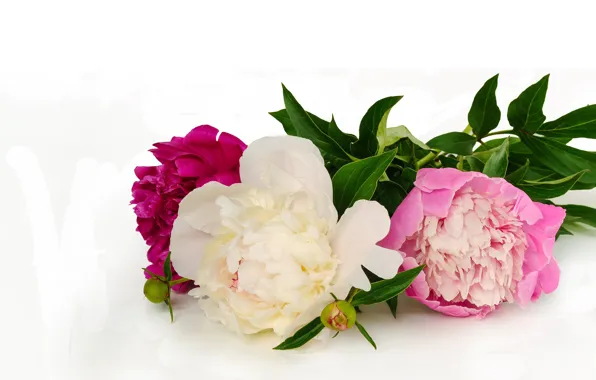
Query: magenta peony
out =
(483, 241)
(186, 163)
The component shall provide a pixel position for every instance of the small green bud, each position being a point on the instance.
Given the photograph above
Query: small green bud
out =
(155, 290)
(339, 316)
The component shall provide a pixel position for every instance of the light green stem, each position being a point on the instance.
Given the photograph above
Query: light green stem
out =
(425, 160)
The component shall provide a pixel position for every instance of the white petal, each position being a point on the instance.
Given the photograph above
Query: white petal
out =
(354, 240)
(288, 164)
(187, 245)
(384, 262)
(199, 209)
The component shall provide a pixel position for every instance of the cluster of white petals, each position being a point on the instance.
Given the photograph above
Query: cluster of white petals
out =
(268, 252)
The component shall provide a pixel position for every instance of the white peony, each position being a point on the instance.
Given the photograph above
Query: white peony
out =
(268, 252)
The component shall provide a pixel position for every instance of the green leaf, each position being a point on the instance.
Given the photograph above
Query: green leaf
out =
(578, 123)
(562, 231)
(581, 214)
(519, 174)
(395, 134)
(525, 112)
(365, 334)
(390, 195)
(373, 128)
(302, 336)
(167, 302)
(358, 180)
(484, 115)
(562, 158)
(306, 127)
(344, 139)
(283, 117)
(386, 289)
(549, 189)
(167, 267)
(392, 302)
(496, 166)
(406, 179)
(475, 164)
(454, 142)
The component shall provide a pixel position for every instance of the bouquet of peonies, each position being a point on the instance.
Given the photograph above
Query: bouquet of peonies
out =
(294, 234)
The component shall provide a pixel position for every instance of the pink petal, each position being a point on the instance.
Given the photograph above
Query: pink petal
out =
(405, 221)
(428, 180)
(437, 202)
(549, 277)
(525, 288)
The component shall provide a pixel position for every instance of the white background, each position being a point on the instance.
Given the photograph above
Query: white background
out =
(87, 87)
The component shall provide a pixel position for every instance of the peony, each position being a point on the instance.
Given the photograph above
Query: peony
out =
(483, 241)
(186, 163)
(268, 252)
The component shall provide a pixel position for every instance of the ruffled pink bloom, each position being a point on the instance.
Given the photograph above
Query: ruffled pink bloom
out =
(483, 241)
(186, 163)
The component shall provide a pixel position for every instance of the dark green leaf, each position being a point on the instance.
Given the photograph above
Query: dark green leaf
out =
(484, 114)
(475, 164)
(373, 124)
(302, 336)
(563, 159)
(167, 302)
(386, 289)
(390, 195)
(167, 267)
(519, 174)
(453, 142)
(358, 180)
(284, 119)
(549, 189)
(496, 166)
(578, 123)
(406, 179)
(448, 161)
(581, 214)
(306, 127)
(562, 231)
(344, 139)
(392, 302)
(515, 145)
(525, 112)
(365, 334)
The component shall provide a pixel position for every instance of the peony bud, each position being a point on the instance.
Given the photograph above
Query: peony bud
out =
(155, 290)
(339, 316)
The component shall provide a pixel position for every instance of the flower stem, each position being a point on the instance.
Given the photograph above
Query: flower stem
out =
(425, 160)
(351, 294)
(460, 163)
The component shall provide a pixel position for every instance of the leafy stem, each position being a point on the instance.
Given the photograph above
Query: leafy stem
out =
(351, 294)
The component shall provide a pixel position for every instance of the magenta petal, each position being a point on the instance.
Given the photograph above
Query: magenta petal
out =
(143, 171)
(159, 249)
(201, 135)
(405, 221)
(228, 139)
(191, 167)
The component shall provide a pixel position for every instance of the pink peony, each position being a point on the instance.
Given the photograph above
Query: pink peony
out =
(186, 163)
(483, 241)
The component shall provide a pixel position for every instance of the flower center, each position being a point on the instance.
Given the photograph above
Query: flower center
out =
(475, 254)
